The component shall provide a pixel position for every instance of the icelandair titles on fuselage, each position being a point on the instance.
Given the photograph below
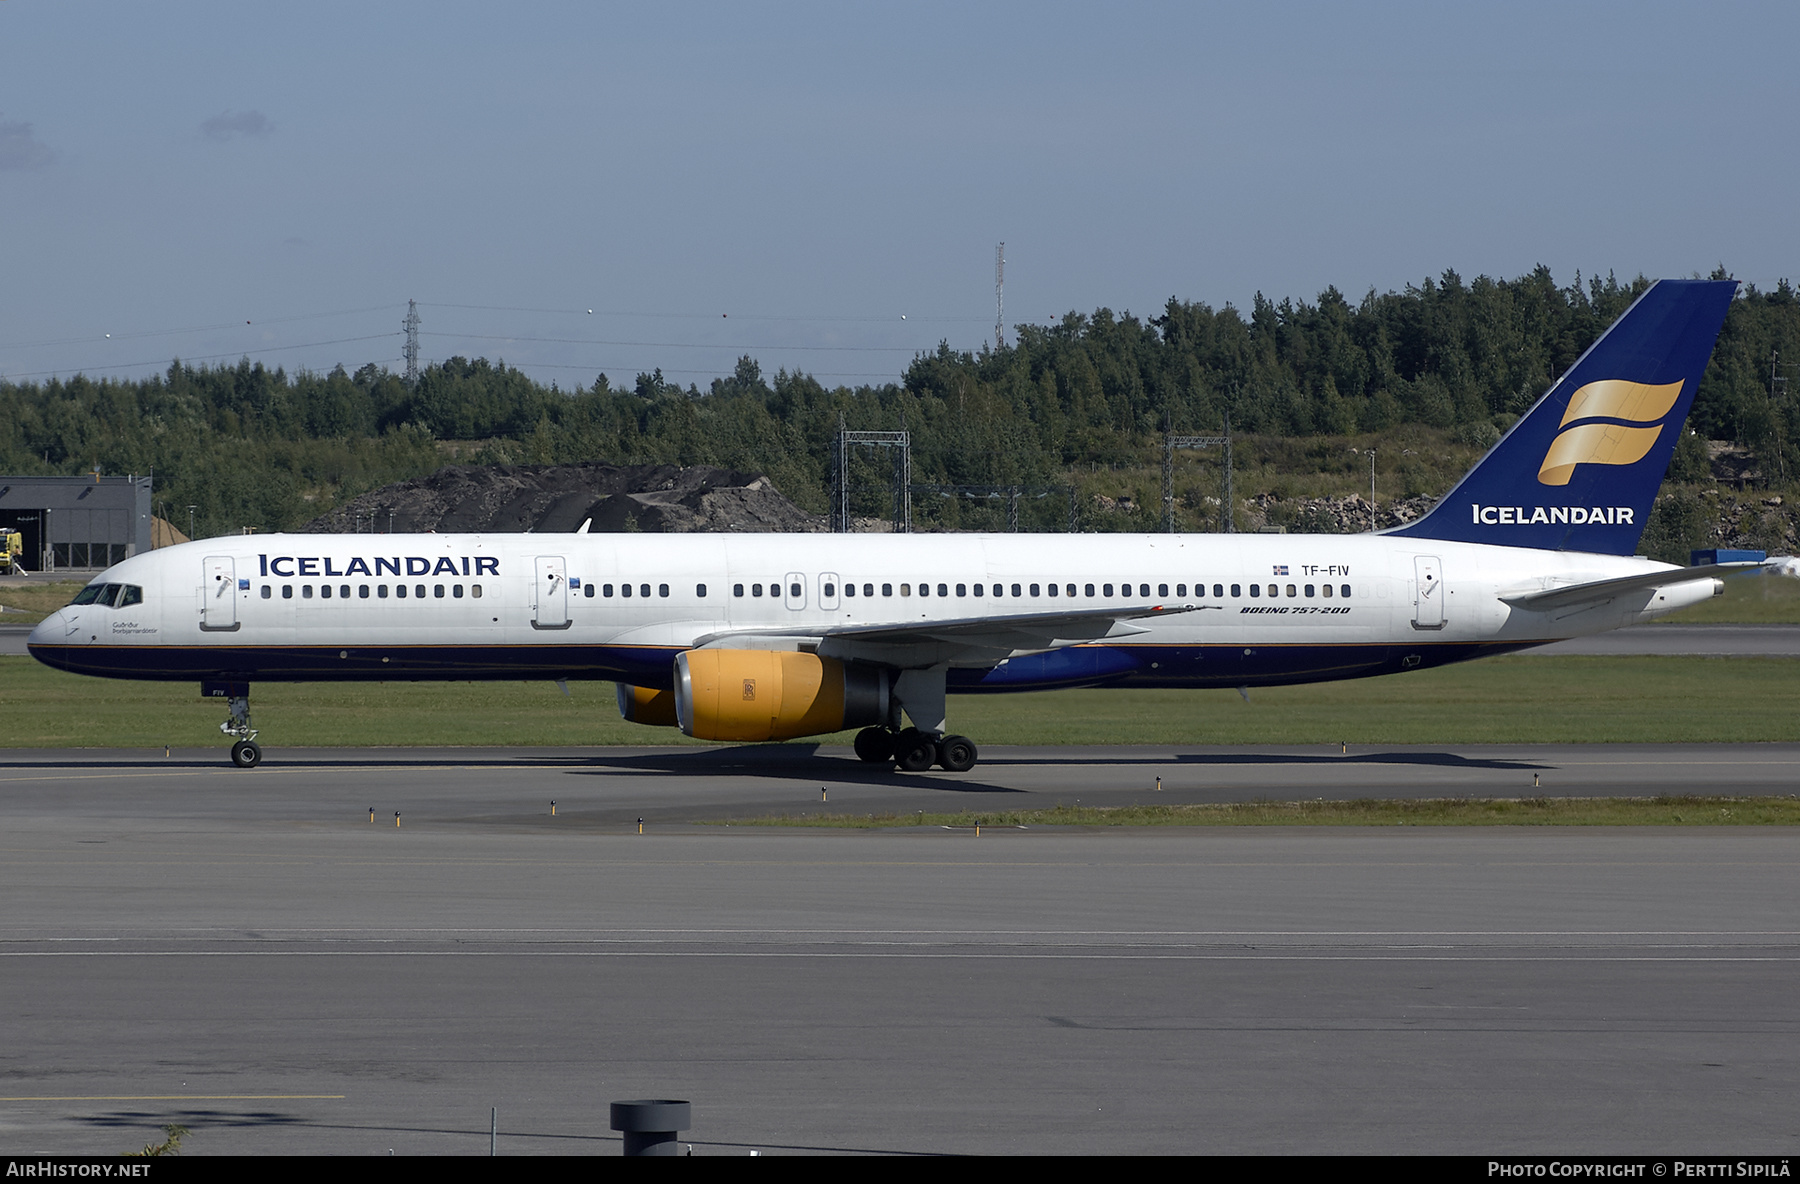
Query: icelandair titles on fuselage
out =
(1532, 515)
(397, 565)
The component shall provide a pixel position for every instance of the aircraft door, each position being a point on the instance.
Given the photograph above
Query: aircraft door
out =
(218, 595)
(828, 590)
(1428, 593)
(795, 589)
(550, 594)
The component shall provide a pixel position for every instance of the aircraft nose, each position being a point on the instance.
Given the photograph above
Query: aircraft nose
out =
(51, 630)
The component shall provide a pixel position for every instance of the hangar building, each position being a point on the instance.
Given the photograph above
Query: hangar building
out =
(77, 523)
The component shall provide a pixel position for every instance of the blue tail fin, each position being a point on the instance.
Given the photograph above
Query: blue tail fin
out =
(1580, 471)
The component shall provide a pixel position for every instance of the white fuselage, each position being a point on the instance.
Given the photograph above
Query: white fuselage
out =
(1266, 608)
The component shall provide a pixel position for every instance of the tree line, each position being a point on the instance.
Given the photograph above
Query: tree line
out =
(255, 447)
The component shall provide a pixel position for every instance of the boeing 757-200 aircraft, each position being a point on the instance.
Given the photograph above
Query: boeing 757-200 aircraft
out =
(736, 637)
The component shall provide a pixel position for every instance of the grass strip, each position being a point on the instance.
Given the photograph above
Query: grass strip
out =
(1508, 700)
(1658, 811)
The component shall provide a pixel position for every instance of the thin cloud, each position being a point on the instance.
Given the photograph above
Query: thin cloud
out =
(19, 149)
(229, 125)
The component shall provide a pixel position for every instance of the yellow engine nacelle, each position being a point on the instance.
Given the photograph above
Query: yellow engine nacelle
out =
(772, 695)
(646, 705)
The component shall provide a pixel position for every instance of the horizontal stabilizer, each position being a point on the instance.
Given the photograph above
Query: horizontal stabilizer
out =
(1602, 590)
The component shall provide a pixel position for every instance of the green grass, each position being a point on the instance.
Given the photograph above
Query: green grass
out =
(1661, 811)
(27, 604)
(1497, 701)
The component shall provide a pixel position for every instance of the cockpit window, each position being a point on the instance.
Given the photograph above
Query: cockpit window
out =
(130, 594)
(89, 594)
(110, 595)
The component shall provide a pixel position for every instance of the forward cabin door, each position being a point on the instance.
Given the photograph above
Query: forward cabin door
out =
(218, 595)
(795, 590)
(550, 594)
(1428, 593)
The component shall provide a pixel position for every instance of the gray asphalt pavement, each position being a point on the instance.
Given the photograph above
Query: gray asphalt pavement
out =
(247, 954)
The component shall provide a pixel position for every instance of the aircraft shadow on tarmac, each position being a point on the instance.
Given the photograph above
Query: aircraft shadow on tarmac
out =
(793, 760)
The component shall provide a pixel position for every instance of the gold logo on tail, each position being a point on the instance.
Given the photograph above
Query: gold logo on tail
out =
(1606, 443)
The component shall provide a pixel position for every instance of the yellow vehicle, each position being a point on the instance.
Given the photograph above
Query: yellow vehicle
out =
(15, 547)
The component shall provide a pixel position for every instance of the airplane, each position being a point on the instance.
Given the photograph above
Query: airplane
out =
(760, 637)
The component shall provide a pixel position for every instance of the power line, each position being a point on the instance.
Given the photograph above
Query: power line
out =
(311, 316)
(246, 353)
(872, 349)
(699, 316)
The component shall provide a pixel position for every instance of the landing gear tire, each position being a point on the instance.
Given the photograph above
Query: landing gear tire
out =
(914, 751)
(246, 755)
(875, 745)
(956, 754)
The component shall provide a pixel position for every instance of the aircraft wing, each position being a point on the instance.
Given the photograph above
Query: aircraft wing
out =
(970, 639)
(1599, 591)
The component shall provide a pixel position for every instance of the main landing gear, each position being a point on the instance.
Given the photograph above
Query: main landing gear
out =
(244, 754)
(915, 751)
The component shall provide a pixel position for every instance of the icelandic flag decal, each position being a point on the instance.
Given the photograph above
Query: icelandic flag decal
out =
(1281, 569)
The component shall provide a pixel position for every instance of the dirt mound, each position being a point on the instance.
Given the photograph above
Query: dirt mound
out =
(555, 499)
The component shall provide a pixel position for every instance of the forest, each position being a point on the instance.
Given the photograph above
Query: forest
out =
(1428, 377)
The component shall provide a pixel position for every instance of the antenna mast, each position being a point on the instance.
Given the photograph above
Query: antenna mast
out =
(412, 343)
(1000, 297)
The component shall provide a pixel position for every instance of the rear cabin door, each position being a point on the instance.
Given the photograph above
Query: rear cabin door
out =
(219, 595)
(550, 594)
(1428, 593)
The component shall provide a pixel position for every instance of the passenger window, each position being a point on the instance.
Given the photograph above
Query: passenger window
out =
(1015, 589)
(869, 590)
(737, 589)
(1219, 591)
(266, 592)
(1309, 591)
(1254, 590)
(343, 591)
(1034, 589)
(306, 591)
(961, 589)
(849, 589)
(437, 590)
(1345, 590)
(381, 592)
(700, 591)
(590, 591)
(1052, 589)
(456, 590)
(606, 590)
(644, 589)
(924, 589)
(1090, 589)
(661, 590)
(1291, 590)
(1163, 590)
(1326, 589)
(943, 590)
(400, 591)
(475, 591)
(905, 589)
(1107, 589)
(325, 591)
(978, 589)
(287, 591)
(831, 590)
(1070, 589)
(756, 589)
(419, 591)
(625, 590)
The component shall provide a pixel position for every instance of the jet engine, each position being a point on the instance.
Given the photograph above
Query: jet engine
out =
(774, 695)
(646, 705)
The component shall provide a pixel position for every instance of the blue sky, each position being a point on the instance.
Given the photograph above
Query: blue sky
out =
(789, 180)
